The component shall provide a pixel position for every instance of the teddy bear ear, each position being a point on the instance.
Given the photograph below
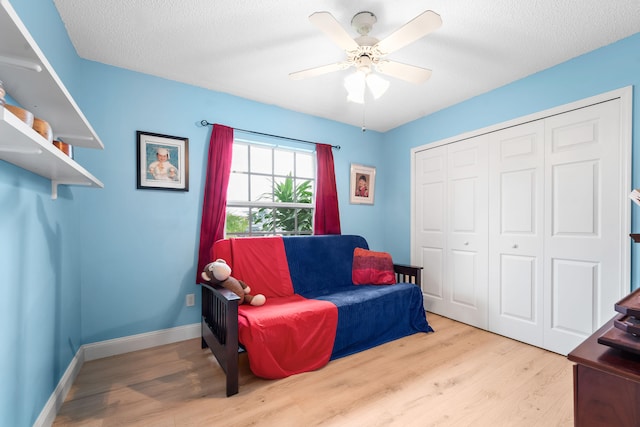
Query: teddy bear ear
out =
(220, 260)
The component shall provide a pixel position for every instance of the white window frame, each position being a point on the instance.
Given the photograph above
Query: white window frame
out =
(253, 204)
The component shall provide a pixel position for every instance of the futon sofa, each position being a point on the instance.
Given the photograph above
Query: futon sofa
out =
(327, 297)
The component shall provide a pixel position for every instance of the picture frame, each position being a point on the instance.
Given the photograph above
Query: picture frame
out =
(163, 162)
(362, 184)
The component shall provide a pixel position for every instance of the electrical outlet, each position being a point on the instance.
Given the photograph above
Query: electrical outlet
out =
(191, 300)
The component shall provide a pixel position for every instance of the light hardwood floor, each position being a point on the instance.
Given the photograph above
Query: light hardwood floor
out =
(457, 376)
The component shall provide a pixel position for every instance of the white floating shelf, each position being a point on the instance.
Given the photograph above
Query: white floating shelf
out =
(24, 147)
(43, 94)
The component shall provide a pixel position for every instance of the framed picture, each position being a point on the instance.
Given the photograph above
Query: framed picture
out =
(163, 162)
(363, 184)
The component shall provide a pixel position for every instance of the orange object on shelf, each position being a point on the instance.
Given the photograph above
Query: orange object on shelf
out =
(64, 147)
(21, 113)
(43, 128)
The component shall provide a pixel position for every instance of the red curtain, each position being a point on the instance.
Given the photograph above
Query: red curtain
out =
(214, 205)
(327, 215)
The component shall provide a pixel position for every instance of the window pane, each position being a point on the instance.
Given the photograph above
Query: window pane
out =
(240, 158)
(238, 187)
(269, 176)
(285, 220)
(305, 220)
(237, 221)
(261, 188)
(262, 220)
(304, 191)
(261, 160)
(304, 165)
(283, 162)
(283, 190)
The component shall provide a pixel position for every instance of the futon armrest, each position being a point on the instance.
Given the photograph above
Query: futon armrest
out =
(220, 330)
(408, 273)
(221, 292)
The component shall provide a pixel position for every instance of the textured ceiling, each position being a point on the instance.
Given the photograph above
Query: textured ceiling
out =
(248, 48)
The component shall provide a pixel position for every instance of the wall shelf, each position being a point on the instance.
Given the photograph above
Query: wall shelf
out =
(42, 93)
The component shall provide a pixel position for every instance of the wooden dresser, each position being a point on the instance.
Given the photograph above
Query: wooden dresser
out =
(606, 384)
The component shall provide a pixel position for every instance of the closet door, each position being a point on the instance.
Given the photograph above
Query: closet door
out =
(516, 207)
(583, 247)
(431, 224)
(451, 229)
(467, 243)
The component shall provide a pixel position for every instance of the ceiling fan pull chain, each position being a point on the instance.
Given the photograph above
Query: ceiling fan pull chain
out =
(364, 107)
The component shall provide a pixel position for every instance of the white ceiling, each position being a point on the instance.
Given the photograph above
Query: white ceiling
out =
(248, 48)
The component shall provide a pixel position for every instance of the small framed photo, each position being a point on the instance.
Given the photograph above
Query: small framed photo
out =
(363, 184)
(163, 162)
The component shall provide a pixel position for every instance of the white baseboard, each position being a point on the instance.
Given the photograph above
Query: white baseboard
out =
(108, 348)
(123, 345)
(48, 414)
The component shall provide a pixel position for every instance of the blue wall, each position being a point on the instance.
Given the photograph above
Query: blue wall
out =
(599, 71)
(40, 286)
(105, 263)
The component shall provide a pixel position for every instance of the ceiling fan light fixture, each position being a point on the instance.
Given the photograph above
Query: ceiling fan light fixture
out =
(377, 85)
(355, 85)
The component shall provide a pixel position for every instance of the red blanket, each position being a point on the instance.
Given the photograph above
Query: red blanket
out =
(289, 334)
(260, 262)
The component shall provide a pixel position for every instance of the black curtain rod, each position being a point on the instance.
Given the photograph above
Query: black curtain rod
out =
(206, 123)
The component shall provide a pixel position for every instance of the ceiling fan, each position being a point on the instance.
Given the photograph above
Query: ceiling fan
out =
(366, 53)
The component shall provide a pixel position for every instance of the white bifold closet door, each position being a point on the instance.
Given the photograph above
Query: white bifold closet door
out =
(519, 229)
(451, 239)
(431, 226)
(583, 239)
(516, 239)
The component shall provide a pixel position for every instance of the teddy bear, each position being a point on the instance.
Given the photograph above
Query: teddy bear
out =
(218, 272)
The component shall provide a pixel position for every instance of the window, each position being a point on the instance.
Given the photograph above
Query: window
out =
(271, 190)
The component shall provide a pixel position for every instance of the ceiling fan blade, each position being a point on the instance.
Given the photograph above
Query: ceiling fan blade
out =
(409, 73)
(317, 71)
(326, 23)
(413, 30)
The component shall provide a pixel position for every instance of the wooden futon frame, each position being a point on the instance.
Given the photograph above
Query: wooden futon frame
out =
(220, 323)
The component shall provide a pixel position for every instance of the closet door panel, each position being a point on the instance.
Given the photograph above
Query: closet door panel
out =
(463, 278)
(433, 271)
(518, 290)
(518, 202)
(431, 224)
(574, 283)
(576, 199)
(467, 240)
(583, 247)
(516, 163)
(463, 207)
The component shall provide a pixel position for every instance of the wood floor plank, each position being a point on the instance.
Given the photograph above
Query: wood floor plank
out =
(457, 376)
